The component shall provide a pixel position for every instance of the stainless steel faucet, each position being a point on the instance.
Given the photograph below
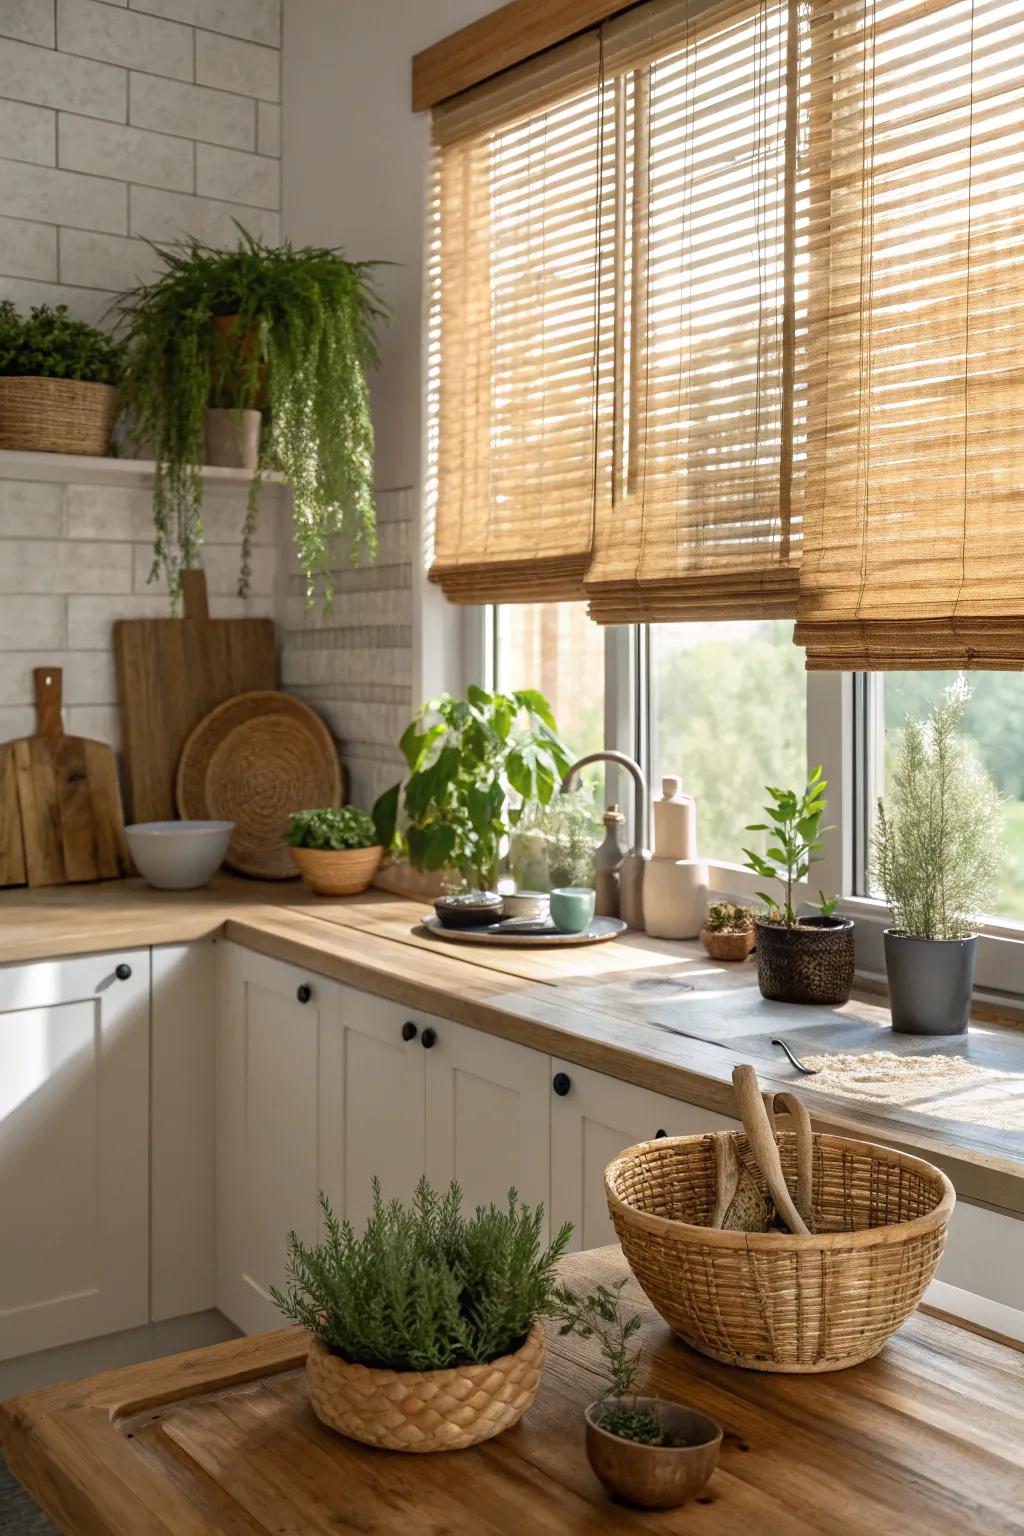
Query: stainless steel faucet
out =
(631, 875)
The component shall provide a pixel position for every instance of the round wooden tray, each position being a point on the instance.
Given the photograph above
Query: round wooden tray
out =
(598, 931)
(255, 760)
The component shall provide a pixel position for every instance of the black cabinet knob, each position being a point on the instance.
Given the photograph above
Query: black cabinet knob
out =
(659, 1133)
(304, 993)
(428, 1038)
(409, 1030)
(561, 1083)
(122, 972)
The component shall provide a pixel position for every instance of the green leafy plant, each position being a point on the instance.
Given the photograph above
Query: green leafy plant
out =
(332, 830)
(938, 840)
(424, 1288)
(600, 1316)
(723, 917)
(794, 838)
(554, 843)
(467, 759)
(299, 338)
(49, 344)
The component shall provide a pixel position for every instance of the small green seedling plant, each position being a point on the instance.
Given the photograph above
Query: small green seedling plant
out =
(723, 917)
(332, 831)
(601, 1316)
(794, 842)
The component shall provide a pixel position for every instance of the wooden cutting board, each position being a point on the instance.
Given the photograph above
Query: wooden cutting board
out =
(172, 672)
(60, 802)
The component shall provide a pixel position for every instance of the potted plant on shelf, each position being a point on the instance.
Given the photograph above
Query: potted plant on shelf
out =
(337, 852)
(58, 382)
(469, 759)
(275, 337)
(426, 1330)
(936, 853)
(799, 959)
(646, 1450)
(728, 931)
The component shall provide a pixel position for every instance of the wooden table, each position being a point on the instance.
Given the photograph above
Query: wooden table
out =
(926, 1438)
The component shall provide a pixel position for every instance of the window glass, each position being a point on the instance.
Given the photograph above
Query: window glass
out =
(554, 647)
(992, 720)
(728, 715)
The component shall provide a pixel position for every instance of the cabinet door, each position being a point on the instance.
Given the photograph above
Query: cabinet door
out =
(74, 1149)
(488, 1119)
(270, 1019)
(590, 1125)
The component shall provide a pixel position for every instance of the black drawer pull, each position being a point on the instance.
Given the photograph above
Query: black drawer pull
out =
(659, 1133)
(409, 1030)
(123, 971)
(428, 1038)
(304, 993)
(561, 1083)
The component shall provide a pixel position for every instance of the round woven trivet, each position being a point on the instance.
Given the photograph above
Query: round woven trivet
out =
(255, 760)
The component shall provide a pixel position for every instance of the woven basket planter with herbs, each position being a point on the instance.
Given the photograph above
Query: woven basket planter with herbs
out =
(57, 383)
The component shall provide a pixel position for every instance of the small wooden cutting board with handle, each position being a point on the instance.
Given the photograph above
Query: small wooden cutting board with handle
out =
(60, 802)
(170, 674)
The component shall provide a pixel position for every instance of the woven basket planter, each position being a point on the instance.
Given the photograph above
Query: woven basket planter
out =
(56, 415)
(726, 943)
(424, 1410)
(769, 1301)
(344, 872)
(811, 963)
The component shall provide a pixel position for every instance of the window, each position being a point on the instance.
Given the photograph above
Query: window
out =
(554, 647)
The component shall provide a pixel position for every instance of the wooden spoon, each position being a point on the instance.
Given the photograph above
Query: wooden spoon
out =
(763, 1145)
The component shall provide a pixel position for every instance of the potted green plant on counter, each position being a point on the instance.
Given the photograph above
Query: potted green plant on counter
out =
(337, 852)
(58, 382)
(646, 1450)
(799, 959)
(224, 342)
(427, 1312)
(728, 931)
(470, 760)
(936, 853)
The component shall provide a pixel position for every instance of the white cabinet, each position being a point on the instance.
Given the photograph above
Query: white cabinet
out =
(74, 1149)
(593, 1119)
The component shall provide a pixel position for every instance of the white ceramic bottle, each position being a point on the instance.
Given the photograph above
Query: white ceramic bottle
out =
(676, 880)
(675, 821)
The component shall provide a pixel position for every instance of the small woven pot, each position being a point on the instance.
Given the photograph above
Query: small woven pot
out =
(811, 963)
(56, 415)
(424, 1410)
(727, 944)
(344, 872)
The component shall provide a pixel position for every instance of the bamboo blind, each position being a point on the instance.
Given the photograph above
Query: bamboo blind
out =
(914, 514)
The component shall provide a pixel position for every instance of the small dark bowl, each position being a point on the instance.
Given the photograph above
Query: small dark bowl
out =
(654, 1476)
(470, 909)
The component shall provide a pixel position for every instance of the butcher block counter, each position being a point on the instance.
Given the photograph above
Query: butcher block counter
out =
(647, 1011)
(924, 1438)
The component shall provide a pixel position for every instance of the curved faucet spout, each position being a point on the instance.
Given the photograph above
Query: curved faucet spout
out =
(620, 759)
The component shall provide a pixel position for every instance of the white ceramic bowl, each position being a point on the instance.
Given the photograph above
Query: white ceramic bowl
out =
(530, 904)
(178, 855)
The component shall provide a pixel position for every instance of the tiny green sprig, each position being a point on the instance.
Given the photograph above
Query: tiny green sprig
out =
(601, 1316)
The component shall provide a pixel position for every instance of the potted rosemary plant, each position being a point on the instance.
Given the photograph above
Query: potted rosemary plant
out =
(936, 852)
(58, 382)
(427, 1312)
(337, 852)
(799, 959)
(280, 339)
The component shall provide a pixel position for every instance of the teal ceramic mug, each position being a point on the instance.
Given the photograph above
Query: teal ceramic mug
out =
(572, 908)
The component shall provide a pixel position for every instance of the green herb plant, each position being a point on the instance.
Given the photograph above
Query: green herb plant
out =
(469, 759)
(424, 1288)
(794, 840)
(332, 831)
(301, 339)
(553, 843)
(49, 344)
(938, 840)
(723, 917)
(600, 1316)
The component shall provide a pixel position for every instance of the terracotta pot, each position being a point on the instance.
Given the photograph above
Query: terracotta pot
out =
(39, 415)
(728, 943)
(424, 1410)
(344, 872)
(811, 963)
(243, 344)
(654, 1476)
(232, 438)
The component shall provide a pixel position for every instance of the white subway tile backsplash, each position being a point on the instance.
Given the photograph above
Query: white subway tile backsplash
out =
(243, 178)
(17, 722)
(131, 154)
(268, 135)
(170, 215)
(65, 197)
(87, 676)
(53, 79)
(28, 133)
(238, 66)
(91, 304)
(30, 509)
(194, 111)
(29, 20)
(98, 722)
(32, 621)
(27, 250)
(221, 562)
(259, 21)
(90, 619)
(114, 512)
(90, 260)
(55, 566)
(95, 30)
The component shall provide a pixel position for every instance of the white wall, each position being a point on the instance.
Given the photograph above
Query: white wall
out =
(355, 168)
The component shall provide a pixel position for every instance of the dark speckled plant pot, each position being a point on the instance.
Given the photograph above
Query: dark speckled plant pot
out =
(811, 963)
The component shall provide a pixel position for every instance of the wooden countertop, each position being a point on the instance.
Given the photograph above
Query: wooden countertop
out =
(655, 1013)
(924, 1438)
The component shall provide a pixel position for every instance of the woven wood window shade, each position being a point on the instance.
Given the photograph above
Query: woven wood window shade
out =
(522, 328)
(914, 514)
(700, 523)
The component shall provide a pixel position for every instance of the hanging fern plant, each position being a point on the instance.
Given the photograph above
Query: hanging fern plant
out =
(289, 332)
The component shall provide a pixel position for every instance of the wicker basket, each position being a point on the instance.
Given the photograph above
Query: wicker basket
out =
(728, 943)
(770, 1301)
(424, 1410)
(56, 415)
(345, 872)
